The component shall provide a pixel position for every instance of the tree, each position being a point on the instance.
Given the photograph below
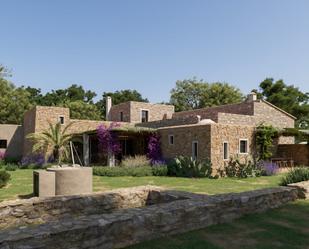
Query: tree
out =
(14, 101)
(61, 96)
(192, 94)
(53, 141)
(119, 97)
(82, 110)
(287, 97)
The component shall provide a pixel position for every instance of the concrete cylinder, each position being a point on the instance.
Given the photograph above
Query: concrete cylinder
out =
(72, 181)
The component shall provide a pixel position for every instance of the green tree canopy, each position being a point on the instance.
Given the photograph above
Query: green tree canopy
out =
(14, 101)
(287, 97)
(119, 97)
(192, 94)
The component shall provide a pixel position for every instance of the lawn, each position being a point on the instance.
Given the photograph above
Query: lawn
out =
(20, 184)
(286, 227)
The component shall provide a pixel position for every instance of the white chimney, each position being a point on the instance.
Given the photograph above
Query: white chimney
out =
(108, 107)
(252, 97)
(198, 118)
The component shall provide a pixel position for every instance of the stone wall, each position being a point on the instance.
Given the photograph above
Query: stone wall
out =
(268, 113)
(245, 113)
(13, 134)
(210, 140)
(41, 210)
(169, 122)
(129, 226)
(298, 152)
(115, 111)
(231, 134)
(244, 108)
(132, 111)
(183, 138)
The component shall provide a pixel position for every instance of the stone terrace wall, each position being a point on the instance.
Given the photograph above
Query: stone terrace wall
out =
(125, 227)
(40, 210)
(298, 152)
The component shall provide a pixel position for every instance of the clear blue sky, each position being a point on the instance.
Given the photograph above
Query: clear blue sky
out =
(148, 45)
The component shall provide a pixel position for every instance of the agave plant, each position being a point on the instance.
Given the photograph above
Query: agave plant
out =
(53, 141)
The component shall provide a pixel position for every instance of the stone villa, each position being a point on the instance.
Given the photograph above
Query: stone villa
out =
(216, 133)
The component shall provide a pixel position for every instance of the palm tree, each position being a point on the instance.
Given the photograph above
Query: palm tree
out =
(53, 141)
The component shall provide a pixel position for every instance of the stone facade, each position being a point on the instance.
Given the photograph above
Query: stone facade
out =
(184, 136)
(232, 134)
(185, 125)
(210, 140)
(131, 111)
(13, 135)
(245, 113)
(178, 212)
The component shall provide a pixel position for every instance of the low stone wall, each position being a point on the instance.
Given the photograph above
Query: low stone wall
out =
(302, 188)
(124, 227)
(40, 210)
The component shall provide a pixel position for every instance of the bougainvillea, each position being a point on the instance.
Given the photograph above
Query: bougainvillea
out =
(108, 141)
(154, 149)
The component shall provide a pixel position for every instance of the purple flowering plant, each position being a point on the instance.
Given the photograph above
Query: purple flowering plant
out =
(33, 159)
(108, 140)
(269, 168)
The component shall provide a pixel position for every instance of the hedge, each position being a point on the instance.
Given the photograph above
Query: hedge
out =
(130, 171)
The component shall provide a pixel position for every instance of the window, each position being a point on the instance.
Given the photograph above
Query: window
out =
(3, 143)
(121, 116)
(243, 146)
(61, 120)
(171, 139)
(225, 151)
(194, 149)
(144, 117)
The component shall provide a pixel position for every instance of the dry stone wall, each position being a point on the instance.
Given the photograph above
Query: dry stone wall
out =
(129, 226)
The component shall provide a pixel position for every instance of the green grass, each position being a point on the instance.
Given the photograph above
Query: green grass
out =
(20, 184)
(286, 227)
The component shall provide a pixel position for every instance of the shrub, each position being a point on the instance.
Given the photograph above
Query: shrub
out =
(11, 160)
(123, 171)
(295, 175)
(11, 167)
(236, 168)
(188, 167)
(4, 178)
(136, 161)
(32, 161)
(159, 170)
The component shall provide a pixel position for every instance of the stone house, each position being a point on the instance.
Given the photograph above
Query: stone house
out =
(216, 133)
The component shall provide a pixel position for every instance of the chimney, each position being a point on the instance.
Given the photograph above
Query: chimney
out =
(108, 107)
(252, 97)
(198, 118)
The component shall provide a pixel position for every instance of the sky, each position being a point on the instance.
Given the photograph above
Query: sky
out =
(148, 45)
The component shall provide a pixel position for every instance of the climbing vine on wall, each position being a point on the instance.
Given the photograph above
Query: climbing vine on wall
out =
(265, 135)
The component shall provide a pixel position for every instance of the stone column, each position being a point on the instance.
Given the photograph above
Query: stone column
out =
(86, 149)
